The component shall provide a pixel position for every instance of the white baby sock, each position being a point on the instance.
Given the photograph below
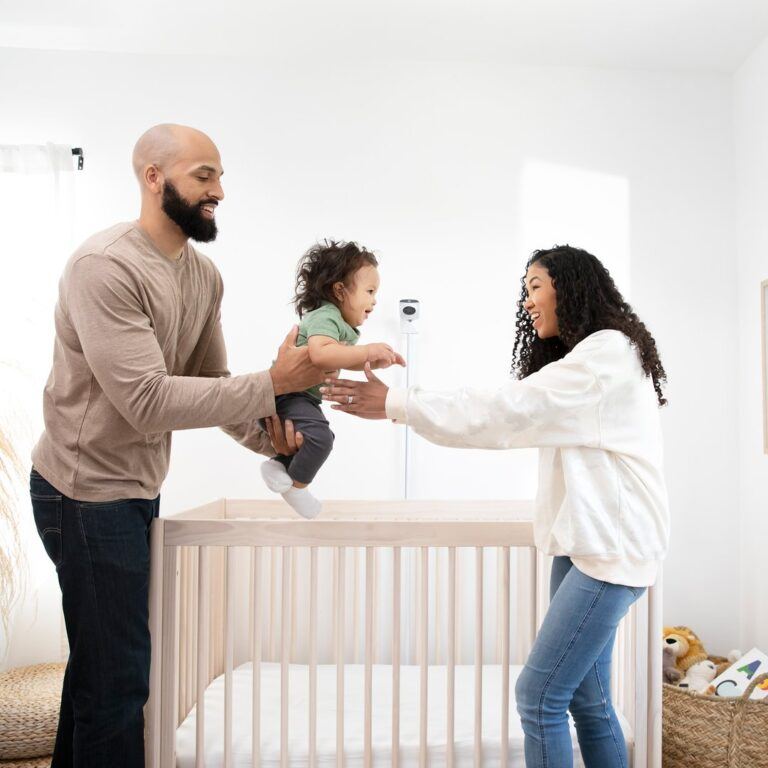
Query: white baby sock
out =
(275, 476)
(303, 502)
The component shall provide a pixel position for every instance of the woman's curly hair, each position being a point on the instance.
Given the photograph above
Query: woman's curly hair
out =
(324, 265)
(587, 301)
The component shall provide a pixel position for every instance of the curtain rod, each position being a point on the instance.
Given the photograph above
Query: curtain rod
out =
(80, 157)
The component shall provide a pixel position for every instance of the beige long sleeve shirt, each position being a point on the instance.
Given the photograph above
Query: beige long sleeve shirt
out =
(139, 352)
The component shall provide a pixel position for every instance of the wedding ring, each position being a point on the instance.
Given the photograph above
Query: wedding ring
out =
(349, 399)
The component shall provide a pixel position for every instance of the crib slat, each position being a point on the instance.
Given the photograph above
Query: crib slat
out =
(451, 668)
(272, 592)
(335, 596)
(229, 653)
(369, 572)
(395, 657)
(256, 614)
(438, 606)
(375, 603)
(340, 661)
(294, 582)
(313, 657)
(213, 668)
(424, 654)
(499, 577)
(534, 576)
(478, 657)
(170, 657)
(190, 631)
(355, 602)
(203, 633)
(459, 622)
(195, 686)
(504, 656)
(219, 637)
(285, 647)
(414, 573)
(183, 624)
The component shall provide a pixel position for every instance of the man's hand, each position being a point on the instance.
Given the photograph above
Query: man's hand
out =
(285, 442)
(293, 371)
(366, 399)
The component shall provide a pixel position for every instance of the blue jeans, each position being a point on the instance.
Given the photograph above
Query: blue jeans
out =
(569, 668)
(101, 554)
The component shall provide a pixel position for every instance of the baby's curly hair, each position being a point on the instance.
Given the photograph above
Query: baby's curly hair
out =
(323, 265)
(587, 301)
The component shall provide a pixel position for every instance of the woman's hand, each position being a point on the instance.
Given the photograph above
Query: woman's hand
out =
(366, 399)
(287, 442)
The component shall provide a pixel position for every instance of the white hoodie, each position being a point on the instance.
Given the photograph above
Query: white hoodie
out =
(602, 498)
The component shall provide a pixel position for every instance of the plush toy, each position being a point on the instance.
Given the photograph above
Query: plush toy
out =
(699, 676)
(685, 645)
(723, 662)
(671, 673)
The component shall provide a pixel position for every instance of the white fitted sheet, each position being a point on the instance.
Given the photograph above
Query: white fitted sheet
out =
(354, 718)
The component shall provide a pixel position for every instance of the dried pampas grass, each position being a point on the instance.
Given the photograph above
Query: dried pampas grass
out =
(11, 554)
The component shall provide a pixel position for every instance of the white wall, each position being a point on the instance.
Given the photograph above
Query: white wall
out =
(443, 169)
(751, 130)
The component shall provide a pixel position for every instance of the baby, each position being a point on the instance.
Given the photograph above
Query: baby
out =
(336, 286)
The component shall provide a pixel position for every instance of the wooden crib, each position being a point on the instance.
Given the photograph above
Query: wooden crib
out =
(242, 587)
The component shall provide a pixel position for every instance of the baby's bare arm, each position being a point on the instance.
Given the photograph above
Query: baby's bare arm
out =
(327, 353)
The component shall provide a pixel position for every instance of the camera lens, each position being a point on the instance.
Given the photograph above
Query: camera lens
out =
(409, 310)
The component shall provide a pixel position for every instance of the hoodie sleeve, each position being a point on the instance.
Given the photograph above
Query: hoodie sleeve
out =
(558, 406)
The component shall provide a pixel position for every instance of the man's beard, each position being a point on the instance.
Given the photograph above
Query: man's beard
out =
(189, 218)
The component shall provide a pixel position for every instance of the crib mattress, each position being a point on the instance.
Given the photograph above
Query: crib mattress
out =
(354, 718)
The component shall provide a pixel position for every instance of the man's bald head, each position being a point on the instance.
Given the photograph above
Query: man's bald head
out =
(165, 144)
(179, 171)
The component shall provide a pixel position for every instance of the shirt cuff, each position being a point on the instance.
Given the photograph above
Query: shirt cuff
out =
(395, 405)
(265, 403)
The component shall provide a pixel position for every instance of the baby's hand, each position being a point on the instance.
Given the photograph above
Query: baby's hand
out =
(382, 356)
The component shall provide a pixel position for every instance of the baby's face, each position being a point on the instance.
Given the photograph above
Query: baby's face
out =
(359, 297)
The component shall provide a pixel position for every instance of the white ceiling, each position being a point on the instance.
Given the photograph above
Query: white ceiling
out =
(678, 35)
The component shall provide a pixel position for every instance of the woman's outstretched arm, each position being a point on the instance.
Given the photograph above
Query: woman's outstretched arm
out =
(556, 406)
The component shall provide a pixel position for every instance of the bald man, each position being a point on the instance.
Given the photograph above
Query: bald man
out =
(139, 352)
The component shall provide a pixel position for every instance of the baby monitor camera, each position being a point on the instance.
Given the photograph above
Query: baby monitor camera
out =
(409, 314)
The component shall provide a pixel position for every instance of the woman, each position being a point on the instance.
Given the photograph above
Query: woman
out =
(587, 391)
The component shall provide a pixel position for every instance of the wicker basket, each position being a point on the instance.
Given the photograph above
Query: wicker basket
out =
(702, 731)
(33, 762)
(29, 712)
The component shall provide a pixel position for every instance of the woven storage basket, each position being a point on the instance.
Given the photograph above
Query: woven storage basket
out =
(29, 712)
(701, 731)
(33, 762)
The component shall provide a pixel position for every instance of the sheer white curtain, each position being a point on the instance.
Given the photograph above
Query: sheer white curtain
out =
(37, 198)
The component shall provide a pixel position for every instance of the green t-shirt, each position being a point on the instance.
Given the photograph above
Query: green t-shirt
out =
(326, 320)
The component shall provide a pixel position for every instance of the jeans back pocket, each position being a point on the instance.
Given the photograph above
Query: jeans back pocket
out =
(47, 507)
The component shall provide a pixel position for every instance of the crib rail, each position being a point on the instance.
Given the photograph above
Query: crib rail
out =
(237, 581)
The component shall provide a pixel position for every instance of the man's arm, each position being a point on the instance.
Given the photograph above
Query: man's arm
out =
(122, 351)
(248, 433)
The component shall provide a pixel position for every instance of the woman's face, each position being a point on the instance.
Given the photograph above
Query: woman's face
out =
(541, 301)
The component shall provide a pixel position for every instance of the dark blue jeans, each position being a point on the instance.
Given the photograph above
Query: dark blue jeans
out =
(569, 668)
(101, 554)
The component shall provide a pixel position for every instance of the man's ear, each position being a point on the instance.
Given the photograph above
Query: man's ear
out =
(153, 178)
